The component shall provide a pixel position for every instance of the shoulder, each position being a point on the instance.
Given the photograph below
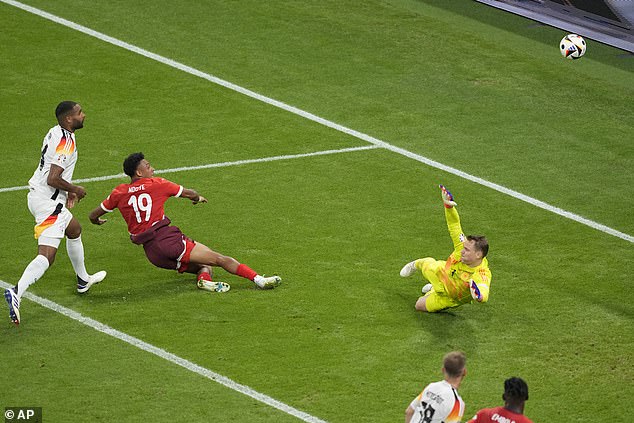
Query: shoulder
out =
(119, 190)
(54, 134)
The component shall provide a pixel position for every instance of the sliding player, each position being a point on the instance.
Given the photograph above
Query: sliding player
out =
(141, 205)
(464, 277)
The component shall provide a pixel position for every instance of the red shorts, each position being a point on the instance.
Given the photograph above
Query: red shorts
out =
(167, 247)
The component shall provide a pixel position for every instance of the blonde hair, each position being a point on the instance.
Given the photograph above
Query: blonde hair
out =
(454, 363)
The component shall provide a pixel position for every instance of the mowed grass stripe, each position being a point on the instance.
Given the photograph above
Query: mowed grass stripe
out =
(214, 165)
(159, 352)
(377, 142)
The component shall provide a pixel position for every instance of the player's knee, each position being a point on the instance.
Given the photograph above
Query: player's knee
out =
(73, 231)
(49, 254)
(421, 304)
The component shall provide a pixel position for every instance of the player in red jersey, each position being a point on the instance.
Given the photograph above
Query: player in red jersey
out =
(141, 205)
(515, 395)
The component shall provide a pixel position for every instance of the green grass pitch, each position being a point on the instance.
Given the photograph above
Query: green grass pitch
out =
(455, 81)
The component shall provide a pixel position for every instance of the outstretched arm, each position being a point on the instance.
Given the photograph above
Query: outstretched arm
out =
(453, 220)
(193, 195)
(95, 215)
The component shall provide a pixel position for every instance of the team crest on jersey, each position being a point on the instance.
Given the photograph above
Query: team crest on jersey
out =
(61, 158)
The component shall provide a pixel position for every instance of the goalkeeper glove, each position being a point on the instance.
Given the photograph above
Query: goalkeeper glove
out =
(447, 198)
(475, 291)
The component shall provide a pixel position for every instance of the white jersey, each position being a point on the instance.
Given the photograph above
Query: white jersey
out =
(438, 403)
(58, 148)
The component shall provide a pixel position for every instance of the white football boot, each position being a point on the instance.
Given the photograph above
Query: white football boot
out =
(83, 286)
(212, 286)
(267, 282)
(409, 269)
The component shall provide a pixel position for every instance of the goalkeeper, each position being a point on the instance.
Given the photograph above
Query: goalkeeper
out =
(463, 278)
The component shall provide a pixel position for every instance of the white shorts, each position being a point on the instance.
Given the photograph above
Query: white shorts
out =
(51, 219)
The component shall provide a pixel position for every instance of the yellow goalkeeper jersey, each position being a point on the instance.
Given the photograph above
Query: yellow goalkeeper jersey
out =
(457, 276)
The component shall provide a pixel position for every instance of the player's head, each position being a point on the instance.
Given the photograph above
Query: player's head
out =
(69, 115)
(135, 166)
(454, 365)
(475, 248)
(515, 393)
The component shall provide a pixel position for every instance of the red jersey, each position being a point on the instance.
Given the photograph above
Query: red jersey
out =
(141, 202)
(498, 415)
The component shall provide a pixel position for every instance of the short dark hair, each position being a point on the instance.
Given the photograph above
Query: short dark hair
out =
(131, 163)
(64, 108)
(481, 243)
(515, 390)
(454, 363)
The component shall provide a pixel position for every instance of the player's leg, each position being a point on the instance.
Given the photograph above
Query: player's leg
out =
(430, 267)
(75, 249)
(433, 302)
(203, 255)
(46, 250)
(204, 279)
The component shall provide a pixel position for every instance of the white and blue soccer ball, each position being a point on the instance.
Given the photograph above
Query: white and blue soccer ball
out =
(572, 46)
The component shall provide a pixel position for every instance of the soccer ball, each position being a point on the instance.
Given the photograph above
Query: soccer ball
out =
(572, 46)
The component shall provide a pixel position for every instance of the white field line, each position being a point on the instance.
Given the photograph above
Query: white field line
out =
(192, 367)
(325, 122)
(212, 165)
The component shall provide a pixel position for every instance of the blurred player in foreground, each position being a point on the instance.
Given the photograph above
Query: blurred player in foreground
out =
(51, 194)
(515, 395)
(141, 205)
(439, 402)
(464, 277)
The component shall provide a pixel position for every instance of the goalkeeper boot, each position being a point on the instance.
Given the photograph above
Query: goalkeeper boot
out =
(409, 269)
(212, 286)
(83, 286)
(426, 289)
(14, 305)
(267, 282)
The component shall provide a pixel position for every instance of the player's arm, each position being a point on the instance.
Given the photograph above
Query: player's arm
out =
(193, 195)
(55, 180)
(408, 414)
(107, 206)
(452, 217)
(95, 216)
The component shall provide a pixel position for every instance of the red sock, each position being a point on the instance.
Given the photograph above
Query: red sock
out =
(246, 272)
(205, 276)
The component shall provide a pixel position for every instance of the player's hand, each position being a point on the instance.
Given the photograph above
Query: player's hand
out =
(98, 221)
(447, 198)
(201, 199)
(475, 291)
(71, 200)
(80, 192)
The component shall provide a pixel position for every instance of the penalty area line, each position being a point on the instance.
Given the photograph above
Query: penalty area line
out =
(330, 124)
(159, 352)
(213, 165)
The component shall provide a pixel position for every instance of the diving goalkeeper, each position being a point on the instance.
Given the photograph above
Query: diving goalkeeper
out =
(463, 278)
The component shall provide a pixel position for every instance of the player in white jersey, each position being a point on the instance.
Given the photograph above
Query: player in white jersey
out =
(439, 402)
(51, 194)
